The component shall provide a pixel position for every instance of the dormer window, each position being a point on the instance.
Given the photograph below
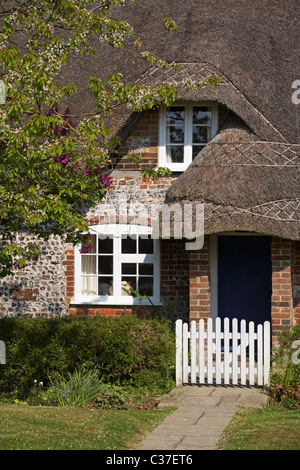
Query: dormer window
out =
(185, 128)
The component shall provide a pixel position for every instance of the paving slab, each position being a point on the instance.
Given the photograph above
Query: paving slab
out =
(202, 414)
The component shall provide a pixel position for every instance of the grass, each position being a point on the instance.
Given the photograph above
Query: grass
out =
(65, 428)
(272, 428)
(55, 428)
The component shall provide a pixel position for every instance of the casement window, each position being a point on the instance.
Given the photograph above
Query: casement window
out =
(116, 260)
(185, 128)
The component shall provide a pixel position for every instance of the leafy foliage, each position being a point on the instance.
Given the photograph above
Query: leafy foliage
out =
(285, 373)
(126, 350)
(53, 163)
(85, 388)
(77, 389)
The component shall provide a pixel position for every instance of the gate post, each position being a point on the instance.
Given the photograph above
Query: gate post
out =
(178, 353)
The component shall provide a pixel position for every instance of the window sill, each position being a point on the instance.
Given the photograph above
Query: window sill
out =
(115, 302)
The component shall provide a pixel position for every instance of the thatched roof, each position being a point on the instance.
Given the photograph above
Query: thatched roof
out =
(252, 46)
(244, 183)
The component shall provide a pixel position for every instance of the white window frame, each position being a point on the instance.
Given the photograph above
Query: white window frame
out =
(188, 133)
(116, 231)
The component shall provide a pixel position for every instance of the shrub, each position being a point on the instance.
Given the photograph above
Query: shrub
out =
(77, 389)
(285, 372)
(126, 350)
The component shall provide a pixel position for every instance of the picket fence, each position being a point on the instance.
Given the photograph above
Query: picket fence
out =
(238, 355)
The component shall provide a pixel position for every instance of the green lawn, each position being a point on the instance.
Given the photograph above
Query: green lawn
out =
(273, 428)
(54, 428)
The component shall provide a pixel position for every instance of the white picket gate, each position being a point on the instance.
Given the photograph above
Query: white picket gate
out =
(239, 355)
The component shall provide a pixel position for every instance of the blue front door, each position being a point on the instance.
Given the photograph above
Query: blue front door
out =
(244, 278)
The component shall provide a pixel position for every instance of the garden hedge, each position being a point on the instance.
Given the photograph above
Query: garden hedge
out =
(126, 350)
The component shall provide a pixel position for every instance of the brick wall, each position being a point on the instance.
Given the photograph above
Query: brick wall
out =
(200, 283)
(282, 290)
(175, 279)
(296, 281)
(143, 140)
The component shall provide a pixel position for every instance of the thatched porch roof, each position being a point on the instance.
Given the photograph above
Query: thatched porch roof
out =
(245, 184)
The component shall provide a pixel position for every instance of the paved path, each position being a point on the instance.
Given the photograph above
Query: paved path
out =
(203, 413)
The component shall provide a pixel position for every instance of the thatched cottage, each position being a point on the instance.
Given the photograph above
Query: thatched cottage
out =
(233, 151)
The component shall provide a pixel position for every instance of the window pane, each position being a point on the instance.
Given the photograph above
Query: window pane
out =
(105, 285)
(89, 244)
(175, 135)
(146, 245)
(89, 285)
(106, 245)
(129, 245)
(146, 269)
(127, 284)
(201, 115)
(175, 153)
(128, 268)
(146, 286)
(105, 264)
(175, 115)
(197, 149)
(88, 264)
(200, 135)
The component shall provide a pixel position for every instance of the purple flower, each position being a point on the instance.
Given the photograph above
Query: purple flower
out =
(68, 122)
(62, 160)
(65, 160)
(87, 245)
(86, 249)
(105, 181)
(86, 171)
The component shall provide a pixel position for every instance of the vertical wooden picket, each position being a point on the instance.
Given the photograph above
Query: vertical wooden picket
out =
(209, 351)
(201, 351)
(251, 357)
(244, 344)
(267, 356)
(259, 355)
(185, 352)
(193, 351)
(226, 351)
(179, 352)
(218, 350)
(235, 351)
